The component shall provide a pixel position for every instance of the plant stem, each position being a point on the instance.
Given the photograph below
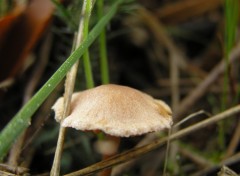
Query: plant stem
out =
(55, 171)
(102, 47)
(69, 87)
(86, 58)
(231, 14)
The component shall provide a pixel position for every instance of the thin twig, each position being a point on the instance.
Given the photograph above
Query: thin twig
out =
(190, 117)
(234, 142)
(196, 158)
(69, 86)
(225, 171)
(200, 90)
(12, 169)
(233, 159)
(37, 125)
(16, 149)
(179, 11)
(119, 169)
(174, 76)
(176, 61)
(134, 153)
(187, 103)
(159, 33)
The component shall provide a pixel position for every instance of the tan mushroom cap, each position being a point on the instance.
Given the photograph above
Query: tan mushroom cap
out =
(116, 110)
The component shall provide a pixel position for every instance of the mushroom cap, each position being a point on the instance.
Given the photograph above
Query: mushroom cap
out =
(116, 110)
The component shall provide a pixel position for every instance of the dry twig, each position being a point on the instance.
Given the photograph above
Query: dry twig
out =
(228, 161)
(187, 103)
(234, 142)
(131, 154)
(30, 88)
(183, 10)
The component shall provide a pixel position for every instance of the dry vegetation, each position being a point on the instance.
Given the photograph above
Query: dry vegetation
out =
(178, 51)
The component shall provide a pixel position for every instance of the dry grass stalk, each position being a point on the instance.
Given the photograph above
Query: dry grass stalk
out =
(134, 153)
(180, 11)
(16, 150)
(233, 159)
(234, 142)
(193, 97)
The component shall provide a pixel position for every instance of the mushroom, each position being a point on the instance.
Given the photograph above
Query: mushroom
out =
(116, 110)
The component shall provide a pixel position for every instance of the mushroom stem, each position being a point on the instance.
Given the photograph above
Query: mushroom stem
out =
(115, 141)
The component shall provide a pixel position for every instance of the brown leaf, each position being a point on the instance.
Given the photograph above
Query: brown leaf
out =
(22, 36)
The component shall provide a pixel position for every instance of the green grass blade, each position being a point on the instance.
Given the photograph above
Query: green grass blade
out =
(86, 57)
(103, 48)
(231, 19)
(103, 58)
(23, 118)
(88, 70)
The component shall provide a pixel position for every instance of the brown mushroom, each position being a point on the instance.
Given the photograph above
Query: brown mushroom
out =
(116, 110)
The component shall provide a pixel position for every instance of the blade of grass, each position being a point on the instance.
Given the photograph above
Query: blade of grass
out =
(231, 14)
(86, 58)
(23, 118)
(231, 19)
(102, 47)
